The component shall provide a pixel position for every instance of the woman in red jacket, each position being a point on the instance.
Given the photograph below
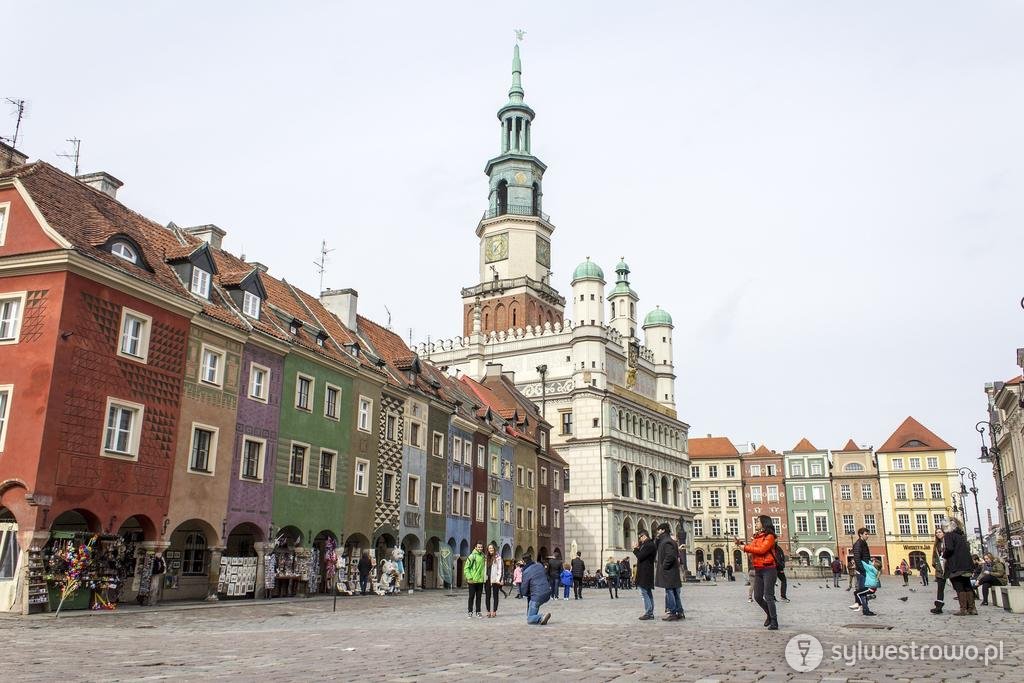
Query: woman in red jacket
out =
(762, 556)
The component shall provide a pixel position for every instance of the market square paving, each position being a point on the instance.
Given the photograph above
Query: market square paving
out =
(427, 637)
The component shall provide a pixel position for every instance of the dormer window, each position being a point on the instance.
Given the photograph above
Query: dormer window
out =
(200, 282)
(124, 251)
(320, 339)
(251, 305)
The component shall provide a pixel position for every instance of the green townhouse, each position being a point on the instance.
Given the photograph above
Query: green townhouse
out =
(811, 512)
(327, 444)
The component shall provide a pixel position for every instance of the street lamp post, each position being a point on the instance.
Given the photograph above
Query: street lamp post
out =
(991, 455)
(974, 490)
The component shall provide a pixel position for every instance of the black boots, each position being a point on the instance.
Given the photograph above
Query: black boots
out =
(938, 607)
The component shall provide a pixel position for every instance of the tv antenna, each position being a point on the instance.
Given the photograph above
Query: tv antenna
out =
(321, 265)
(19, 109)
(389, 316)
(75, 154)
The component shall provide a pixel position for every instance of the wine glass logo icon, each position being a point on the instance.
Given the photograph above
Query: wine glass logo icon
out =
(804, 652)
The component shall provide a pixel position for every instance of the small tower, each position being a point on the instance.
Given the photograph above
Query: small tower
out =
(588, 336)
(622, 301)
(658, 338)
(588, 294)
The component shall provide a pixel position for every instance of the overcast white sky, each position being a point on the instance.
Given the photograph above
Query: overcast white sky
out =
(826, 196)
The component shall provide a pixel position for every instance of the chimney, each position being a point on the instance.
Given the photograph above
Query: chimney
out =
(209, 233)
(342, 303)
(102, 181)
(493, 370)
(990, 524)
(259, 266)
(10, 157)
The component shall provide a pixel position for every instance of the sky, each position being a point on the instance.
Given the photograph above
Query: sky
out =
(826, 196)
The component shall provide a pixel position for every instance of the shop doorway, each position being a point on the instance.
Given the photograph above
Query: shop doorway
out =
(916, 559)
(409, 571)
(9, 554)
(242, 540)
(348, 577)
(428, 573)
(824, 558)
(719, 556)
(187, 576)
(737, 560)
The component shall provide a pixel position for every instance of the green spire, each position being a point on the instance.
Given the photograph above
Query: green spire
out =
(515, 93)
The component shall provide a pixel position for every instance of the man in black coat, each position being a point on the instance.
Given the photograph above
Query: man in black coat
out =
(861, 553)
(645, 550)
(554, 575)
(578, 570)
(667, 573)
(959, 566)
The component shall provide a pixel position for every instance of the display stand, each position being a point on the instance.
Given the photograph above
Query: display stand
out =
(38, 598)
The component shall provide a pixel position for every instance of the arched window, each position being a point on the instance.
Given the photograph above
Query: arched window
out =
(627, 533)
(634, 425)
(652, 486)
(632, 308)
(613, 303)
(664, 490)
(648, 430)
(675, 492)
(853, 467)
(125, 251)
(194, 560)
(536, 199)
(624, 481)
(502, 190)
(638, 480)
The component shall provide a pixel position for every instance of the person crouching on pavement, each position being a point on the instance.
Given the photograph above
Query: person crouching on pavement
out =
(645, 551)
(536, 589)
(762, 556)
(666, 575)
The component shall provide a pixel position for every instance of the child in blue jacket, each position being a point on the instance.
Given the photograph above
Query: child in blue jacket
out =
(871, 584)
(566, 579)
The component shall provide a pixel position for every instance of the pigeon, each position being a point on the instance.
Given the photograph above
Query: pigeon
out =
(904, 598)
(912, 590)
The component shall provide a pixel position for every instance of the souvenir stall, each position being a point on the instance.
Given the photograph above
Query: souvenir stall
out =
(83, 570)
(237, 578)
(287, 569)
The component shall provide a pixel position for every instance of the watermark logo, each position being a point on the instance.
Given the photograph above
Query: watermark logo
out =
(804, 652)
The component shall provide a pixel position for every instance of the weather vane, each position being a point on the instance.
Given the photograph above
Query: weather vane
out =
(519, 34)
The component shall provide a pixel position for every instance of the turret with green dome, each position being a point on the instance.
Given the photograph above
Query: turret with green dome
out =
(588, 270)
(658, 318)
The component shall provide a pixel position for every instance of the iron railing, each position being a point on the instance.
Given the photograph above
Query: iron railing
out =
(516, 210)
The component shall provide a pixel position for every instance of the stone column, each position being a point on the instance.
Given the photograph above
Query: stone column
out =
(417, 568)
(28, 539)
(215, 554)
(261, 568)
(438, 581)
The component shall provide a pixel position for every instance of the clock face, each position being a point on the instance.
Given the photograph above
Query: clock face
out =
(496, 247)
(543, 252)
(520, 178)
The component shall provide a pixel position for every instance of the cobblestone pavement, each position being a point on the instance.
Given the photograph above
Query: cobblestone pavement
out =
(427, 637)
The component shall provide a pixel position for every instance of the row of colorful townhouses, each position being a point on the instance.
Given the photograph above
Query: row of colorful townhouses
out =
(156, 389)
(818, 499)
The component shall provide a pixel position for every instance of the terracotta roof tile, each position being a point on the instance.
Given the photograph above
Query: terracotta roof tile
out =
(913, 436)
(804, 446)
(762, 450)
(711, 447)
(850, 446)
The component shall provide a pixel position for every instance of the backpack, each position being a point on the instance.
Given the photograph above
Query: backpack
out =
(779, 557)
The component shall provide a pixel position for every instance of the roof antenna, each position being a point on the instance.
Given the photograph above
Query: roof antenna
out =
(389, 316)
(76, 146)
(321, 265)
(19, 108)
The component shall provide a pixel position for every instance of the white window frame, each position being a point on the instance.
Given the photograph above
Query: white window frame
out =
(415, 434)
(818, 493)
(134, 435)
(7, 391)
(931, 489)
(796, 469)
(520, 476)
(799, 494)
(556, 518)
(211, 457)
(543, 515)
(769, 470)
(824, 516)
(520, 517)
(531, 519)
(124, 251)
(897, 463)
(932, 462)
(915, 463)
(456, 504)
(5, 219)
(921, 522)
(365, 490)
(18, 317)
(144, 334)
(456, 449)
(730, 471)
(264, 396)
(334, 470)
(755, 494)
(437, 444)
(556, 478)
(412, 491)
(365, 420)
(903, 522)
(712, 471)
(870, 523)
(696, 500)
(530, 481)
(437, 499)
(845, 492)
(200, 284)
(305, 465)
(467, 452)
(851, 527)
(731, 498)
(694, 471)
(467, 502)
(328, 388)
(771, 493)
(917, 488)
(299, 376)
(816, 469)
(259, 465)
(543, 476)
(900, 490)
(218, 379)
(251, 305)
(479, 507)
(481, 456)
(391, 426)
(755, 470)
(506, 512)
(870, 491)
(798, 517)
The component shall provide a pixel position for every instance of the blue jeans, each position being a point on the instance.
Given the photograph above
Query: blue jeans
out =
(673, 603)
(532, 608)
(648, 597)
(565, 592)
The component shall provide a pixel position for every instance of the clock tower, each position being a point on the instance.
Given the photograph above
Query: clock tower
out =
(515, 234)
